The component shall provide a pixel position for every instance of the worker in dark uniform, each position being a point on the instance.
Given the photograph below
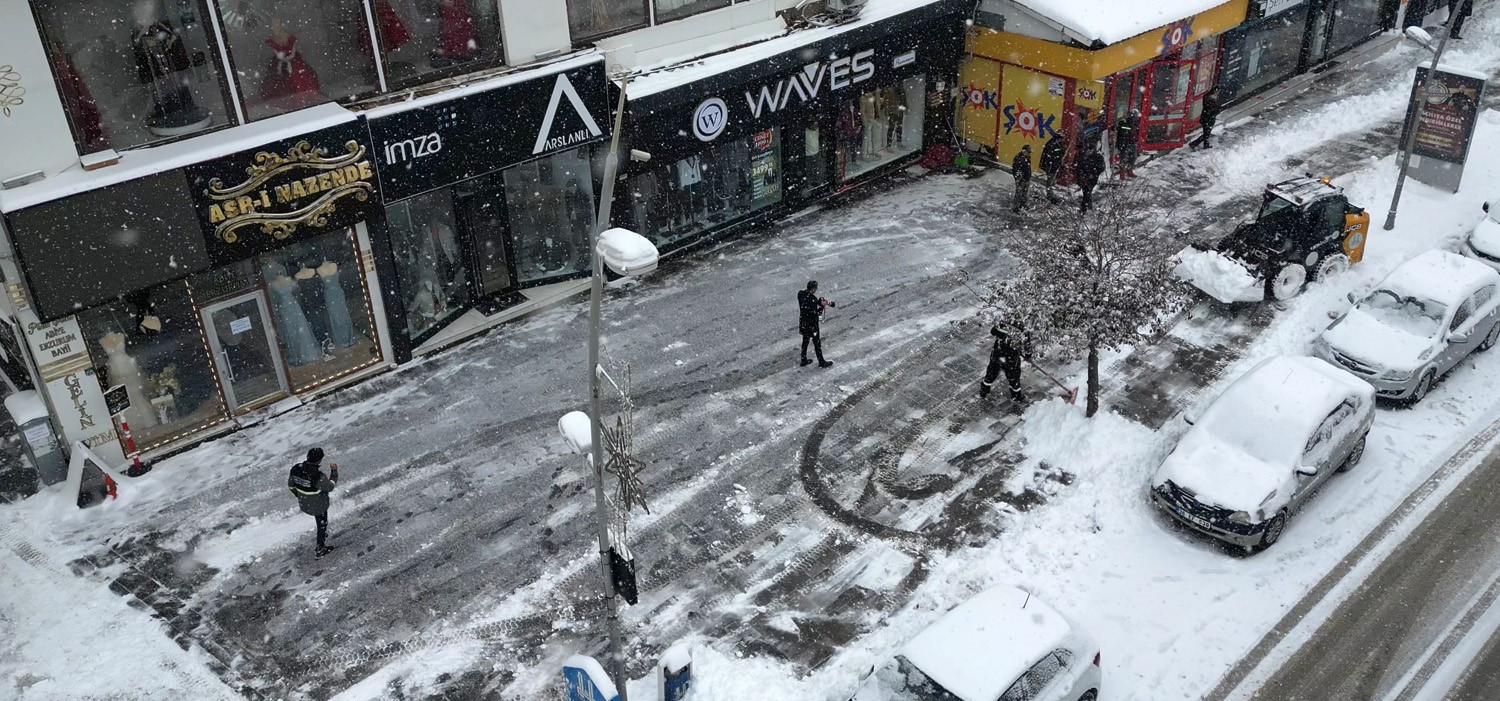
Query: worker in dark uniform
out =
(1088, 170)
(1020, 168)
(311, 488)
(1005, 356)
(809, 316)
(1208, 118)
(1127, 142)
(1053, 155)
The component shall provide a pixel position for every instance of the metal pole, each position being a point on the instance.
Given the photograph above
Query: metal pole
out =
(1416, 120)
(601, 503)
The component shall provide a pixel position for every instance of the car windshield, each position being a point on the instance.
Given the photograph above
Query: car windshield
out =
(900, 680)
(1415, 316)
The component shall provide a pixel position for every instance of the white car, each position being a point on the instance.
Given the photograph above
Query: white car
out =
(1484, 241)
(1002, 645)
(1263, 448)
(1420, 321)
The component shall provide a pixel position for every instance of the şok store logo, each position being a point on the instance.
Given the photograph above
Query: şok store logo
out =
(710, 119)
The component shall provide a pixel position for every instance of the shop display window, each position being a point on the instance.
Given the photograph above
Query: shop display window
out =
(551, 211)
(420, 38)
(1353, 22)
(1268, 51)
(321, 309)
(429, 262)
(668, 10)
(880, 126)
(592, 19)
(133, 73)
(151, 342)
(732, 179)
(289, 54)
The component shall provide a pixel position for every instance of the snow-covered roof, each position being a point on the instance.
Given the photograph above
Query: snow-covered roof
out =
(159, 159)
(980, 647)
(1111, 22)
(1441, 276)
(665, 77)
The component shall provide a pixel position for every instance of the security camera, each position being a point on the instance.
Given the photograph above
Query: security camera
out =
(639, 156)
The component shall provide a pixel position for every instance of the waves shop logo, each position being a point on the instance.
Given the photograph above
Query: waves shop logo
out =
(978, 98)
(1029, 122)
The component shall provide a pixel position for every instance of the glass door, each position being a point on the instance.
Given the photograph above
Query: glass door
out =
(244, 349)
(1169, 85)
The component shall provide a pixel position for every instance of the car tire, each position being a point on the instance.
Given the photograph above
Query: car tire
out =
(1288, 282)
(1336, 264)
(1489, 341)
(1274, 528)
(1355, 454)
(1090, 695)
(1424, 386)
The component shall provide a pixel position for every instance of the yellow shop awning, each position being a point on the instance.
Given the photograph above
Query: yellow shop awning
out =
(1097, 64)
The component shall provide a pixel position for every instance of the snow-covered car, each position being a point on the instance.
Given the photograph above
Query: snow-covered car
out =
(1263, 447)
(1425, 317)
(1483, 244)
(1002, 645)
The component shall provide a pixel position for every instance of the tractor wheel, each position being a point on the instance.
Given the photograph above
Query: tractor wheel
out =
(1287, 282)
(1336, 264)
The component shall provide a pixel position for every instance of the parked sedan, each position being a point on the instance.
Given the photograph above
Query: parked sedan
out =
(1483, 244)
(1263, 447)
(1002, 645)
(1424, 318)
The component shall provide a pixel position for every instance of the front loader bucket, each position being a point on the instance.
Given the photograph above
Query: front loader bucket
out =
(1219, 276)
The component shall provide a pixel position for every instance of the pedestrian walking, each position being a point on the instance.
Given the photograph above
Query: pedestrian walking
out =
(809, 317)
(1053, 155)
(1458, 10)
(1005, 356)
(1020, 167)
(1088, 169)
(1127, 142)
(1208, 118)
(311, 488)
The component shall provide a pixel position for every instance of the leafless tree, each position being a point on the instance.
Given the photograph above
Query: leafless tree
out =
(1091, 282)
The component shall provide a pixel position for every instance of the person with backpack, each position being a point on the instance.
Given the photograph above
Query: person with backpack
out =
(307, 482)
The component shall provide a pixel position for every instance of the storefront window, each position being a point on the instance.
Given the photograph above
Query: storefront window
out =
(289, 54)
(152, 344)
(591, 19)
(132, 74)
(1262, 52)
(729, 181)
(551, 206)
(321, 309)
(668, 10)
(436, 36)
(429, 263)
(481, 208)
(1353, 22)
(880, 126)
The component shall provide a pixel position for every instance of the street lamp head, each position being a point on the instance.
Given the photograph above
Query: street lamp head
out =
(639, 156)
(578, 431)
(627, 253)
(1420, 36)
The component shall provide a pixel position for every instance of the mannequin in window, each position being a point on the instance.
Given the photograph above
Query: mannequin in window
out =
(80, 102)
(689, 181)
(437, 252)
(162, 62)
(851, 131)
(340, 326)
(301, 346)
(288, 75)
(393, 33)
(314, 306)
(123, 370)
(458, 41)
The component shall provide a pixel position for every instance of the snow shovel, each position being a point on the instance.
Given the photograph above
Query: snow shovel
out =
(1068, 393)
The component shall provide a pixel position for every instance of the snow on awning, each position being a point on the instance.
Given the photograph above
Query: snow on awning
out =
(1112, 22)
(140, 163)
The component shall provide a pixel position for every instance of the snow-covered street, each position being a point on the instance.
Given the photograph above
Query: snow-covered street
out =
(803, 522)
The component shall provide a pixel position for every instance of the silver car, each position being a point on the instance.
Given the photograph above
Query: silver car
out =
(1422, 319)
(1483, 243)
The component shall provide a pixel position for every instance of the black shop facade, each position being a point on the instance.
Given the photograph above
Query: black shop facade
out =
(209, 295)
(756, 141)
(489, 196)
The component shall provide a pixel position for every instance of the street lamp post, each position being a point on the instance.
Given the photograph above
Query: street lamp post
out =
(1421, 106)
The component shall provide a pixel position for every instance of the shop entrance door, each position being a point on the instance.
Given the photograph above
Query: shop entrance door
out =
(1169, 87)
(244, 349)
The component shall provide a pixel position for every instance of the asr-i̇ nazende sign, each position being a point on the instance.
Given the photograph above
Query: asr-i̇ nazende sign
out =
(287, 191)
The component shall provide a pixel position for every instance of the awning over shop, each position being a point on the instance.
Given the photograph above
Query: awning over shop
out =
(1097, 64)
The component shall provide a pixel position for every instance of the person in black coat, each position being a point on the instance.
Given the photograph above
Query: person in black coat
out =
(1127, 142)
(1053, 155)
(1208, 118)
(809, 317)
(1088, 169)
(1458, 10)
(1005, 356)
(311, 487)
(1020, 167)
